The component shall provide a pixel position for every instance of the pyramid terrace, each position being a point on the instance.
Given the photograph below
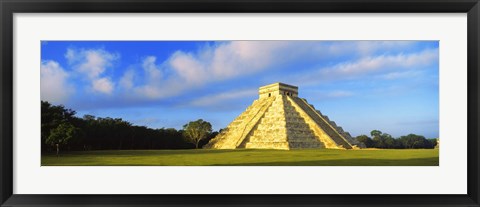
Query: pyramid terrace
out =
(279, 119)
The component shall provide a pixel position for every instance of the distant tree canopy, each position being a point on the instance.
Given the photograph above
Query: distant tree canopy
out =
(386, 141)
(60, 126)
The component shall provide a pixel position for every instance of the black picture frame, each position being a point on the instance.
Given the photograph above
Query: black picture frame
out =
(10, 7)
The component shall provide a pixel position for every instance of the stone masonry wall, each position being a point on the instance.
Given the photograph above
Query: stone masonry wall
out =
(282, 127)
(234, 134)
(331, 131)
(281, 120)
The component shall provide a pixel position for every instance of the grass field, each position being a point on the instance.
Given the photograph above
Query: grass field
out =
(247, 157)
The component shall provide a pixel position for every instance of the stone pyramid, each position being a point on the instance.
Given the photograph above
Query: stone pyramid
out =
(279, 119)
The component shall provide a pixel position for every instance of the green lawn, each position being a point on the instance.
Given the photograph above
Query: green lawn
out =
(247, 157)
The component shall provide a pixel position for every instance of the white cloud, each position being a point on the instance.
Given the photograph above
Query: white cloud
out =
(239, 58)
(127, 79)
(221, 98)
(153, 72)
(322, 95)
(103, 85)
(246, 57)
(53, 82)
(70, 55)
(339, 94)
(382, 64)
(366, 65)
(154, 84)
(93, 63)
(189, 68)
(183, 71)
(398, 75)
(216, 63)
(369, 47)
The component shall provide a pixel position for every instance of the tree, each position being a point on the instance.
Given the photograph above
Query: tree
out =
(195, 131)
(63, 134)
(365, 140)
(414, 141)
(375, 133)
(390, 142)
(103, 133)
(51, 117)
(378, 139)
(385, 141)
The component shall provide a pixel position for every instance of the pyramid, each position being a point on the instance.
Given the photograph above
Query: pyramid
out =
(279, 119)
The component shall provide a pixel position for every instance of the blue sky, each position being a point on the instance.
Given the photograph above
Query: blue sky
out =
(392, 86)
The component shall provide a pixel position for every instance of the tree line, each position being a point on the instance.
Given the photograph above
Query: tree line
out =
(61, 129)
(386, 141)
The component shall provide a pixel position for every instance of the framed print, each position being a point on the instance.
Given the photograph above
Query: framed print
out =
(263, 103)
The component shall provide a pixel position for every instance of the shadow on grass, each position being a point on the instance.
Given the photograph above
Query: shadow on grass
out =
(433, 161)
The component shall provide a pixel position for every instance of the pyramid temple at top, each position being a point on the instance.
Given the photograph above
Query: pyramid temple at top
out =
(279, 119)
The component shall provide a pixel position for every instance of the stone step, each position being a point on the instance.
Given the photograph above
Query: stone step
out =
(333, 124)
(268, 131)
(340, 129)
(268, 145)
(326, 118)
(241, 126)
(303, 145)
(328, 128)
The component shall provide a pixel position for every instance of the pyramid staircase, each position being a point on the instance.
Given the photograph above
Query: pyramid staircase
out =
(232, 136)
(336, 133)
(282, 127)
(279, 119)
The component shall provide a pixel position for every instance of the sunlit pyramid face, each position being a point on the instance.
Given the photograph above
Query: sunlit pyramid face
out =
(279, 119)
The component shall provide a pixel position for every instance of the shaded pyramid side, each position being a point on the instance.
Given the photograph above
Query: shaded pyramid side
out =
(235, 133)
(355, 143)
(319, 132)
(336, 133)
(282, 127)
(282, 122)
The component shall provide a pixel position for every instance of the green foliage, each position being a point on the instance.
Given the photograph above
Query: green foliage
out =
(63, 134)
(413, 141)
(365, 140)
(391, 143)
(60, 126)
(51, 118)
(98, 133)
(386, 141)
(114, 133)
(432, 142)
(375, 133)
(195, 131)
